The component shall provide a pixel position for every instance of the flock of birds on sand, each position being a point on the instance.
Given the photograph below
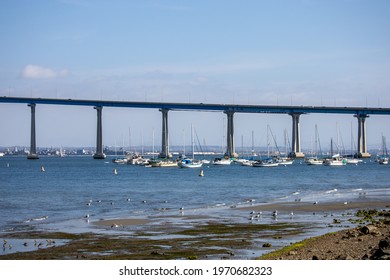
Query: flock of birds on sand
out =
(37, 244)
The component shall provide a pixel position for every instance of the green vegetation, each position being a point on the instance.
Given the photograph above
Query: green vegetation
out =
(200, 242)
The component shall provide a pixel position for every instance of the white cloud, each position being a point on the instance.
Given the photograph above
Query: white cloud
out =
(31, 71)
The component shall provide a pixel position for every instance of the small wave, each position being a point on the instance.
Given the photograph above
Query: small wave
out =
(331, 191)
(37, 219)
(220, 204)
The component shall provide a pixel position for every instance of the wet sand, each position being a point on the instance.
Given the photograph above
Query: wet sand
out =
(319, 207)
(120, 222)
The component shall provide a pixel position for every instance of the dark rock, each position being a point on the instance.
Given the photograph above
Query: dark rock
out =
(315, 258)
(383, 251)
(369, 229)
(344, 257)
(267, 245)
(384, 244)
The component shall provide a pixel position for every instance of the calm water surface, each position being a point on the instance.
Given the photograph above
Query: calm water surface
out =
(59, 196)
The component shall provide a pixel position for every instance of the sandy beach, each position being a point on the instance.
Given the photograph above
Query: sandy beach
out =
(318, 207)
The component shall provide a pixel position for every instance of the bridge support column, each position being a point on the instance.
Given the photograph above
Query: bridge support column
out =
(296, 137)
(99, 135)
(230, 148)
(33, 144)
(362, 136)
(165, 137)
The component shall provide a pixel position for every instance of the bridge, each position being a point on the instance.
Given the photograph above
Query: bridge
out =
(361, 113)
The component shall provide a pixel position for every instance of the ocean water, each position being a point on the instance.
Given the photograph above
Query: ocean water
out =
(75, 186)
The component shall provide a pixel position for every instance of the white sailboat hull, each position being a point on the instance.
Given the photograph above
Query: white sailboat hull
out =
(188, 163)
(314, 161)
(222, 162)
(334, 162)
(265, 164)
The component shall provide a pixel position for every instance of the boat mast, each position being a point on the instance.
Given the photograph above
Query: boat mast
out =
(331, 147)
(285, 141)
(153, 143)
(253, 143)
(142, 142)
(268, 141)
(192, 141)
(315, 140)
(184, 142)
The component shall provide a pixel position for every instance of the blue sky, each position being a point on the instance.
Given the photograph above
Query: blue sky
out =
(302, 52)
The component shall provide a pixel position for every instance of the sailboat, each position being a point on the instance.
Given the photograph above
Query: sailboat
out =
(285, 160)
(315, 160)
(190, 162)
(61, 153)
(162, 163)
(336, 159)
(269, 162)
(352, 159)
(384, 159)
(119, 160)
(221, 161)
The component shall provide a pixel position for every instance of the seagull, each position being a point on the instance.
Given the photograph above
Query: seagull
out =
(275, 213)
(345, 202)
(315, 202)
(128, 199)
(291, 214)
(89, 204)
(86, 216)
